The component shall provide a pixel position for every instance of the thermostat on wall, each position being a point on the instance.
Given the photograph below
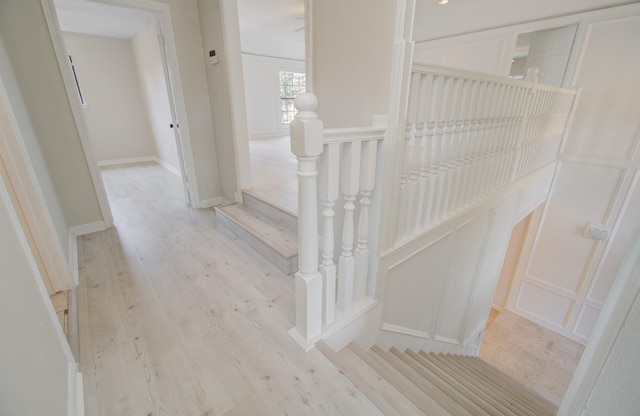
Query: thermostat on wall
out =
(213, 58)
(596, 231)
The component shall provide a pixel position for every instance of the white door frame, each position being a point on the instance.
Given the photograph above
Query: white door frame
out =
(235, 76)
(162, 10)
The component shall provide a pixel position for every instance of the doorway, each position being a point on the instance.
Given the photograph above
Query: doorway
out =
(272, 42)
(122, 75)
(537, 357)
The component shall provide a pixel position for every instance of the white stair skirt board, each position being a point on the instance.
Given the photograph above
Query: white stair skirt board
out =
(270, 238)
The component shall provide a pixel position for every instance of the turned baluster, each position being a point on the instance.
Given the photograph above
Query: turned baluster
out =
(329, 189)
(367, 183)
(350, 186)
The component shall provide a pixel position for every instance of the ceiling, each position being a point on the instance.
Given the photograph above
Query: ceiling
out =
(267, 27)
(272, 27)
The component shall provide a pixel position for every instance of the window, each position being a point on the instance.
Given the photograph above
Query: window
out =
(291, 84)
(75, 78)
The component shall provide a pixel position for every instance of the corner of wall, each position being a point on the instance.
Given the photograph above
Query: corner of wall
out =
(74, 233)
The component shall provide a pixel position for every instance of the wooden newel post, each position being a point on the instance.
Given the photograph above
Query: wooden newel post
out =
(307, 145)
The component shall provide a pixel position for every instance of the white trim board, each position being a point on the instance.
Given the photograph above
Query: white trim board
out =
(116, 162)
(142, 159)
(74, 233)
(213, 202)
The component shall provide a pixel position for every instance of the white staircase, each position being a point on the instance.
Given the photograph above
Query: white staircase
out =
(413, 383)
(268, 229)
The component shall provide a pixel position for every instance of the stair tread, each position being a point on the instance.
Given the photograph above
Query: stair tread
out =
(501, 401)
(532, 395)
(526, 399)
(426, 403)
(487, 403)
(386, 397)
(428, 389)
(442, 384)
(436, 384)
(278, 237)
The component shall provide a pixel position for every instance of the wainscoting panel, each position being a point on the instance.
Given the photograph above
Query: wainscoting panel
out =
(414, 288)
(562, 251)
(464, 264)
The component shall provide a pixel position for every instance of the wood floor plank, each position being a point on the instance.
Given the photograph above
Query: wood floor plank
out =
(177, 317)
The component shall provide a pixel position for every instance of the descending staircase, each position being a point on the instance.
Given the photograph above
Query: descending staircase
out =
(413, 383)
(270, 230)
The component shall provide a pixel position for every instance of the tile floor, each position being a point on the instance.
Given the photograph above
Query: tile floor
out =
(535, 356)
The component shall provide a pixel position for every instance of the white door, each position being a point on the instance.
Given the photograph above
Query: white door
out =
(174, 123)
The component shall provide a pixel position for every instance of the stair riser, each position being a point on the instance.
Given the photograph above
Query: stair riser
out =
(286, 265)
(271, 212)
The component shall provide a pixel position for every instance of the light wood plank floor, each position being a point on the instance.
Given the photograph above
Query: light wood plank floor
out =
(178, 317)
(273, 171)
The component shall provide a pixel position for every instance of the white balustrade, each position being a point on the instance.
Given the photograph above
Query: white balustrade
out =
(328, 293)
(468, 135)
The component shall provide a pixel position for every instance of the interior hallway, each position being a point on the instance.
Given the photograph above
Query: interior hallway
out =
(538, 358)
(178, 317)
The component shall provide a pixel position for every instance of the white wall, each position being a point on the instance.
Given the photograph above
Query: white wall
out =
(262, 91)
(490, 53)
(567, 277)
(34, 360)
(115, 113)
(352, 78)
(616, 389)
(219, 94)
(438, 289)
(435, 21)
(150, 73)
(193, 79)
(564, 281)
(30, 53)
(34, 152)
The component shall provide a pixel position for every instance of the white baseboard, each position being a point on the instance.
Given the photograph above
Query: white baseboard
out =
(142, 159)
(168, 167)
(269, 135)
(89, 228)
(497, 307)
(115, 162)
(212, 202)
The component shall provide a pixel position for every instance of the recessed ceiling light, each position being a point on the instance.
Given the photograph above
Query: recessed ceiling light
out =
(443, 1)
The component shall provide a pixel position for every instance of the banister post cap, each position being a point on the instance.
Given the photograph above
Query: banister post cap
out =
(306, 102)
(306, 128)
